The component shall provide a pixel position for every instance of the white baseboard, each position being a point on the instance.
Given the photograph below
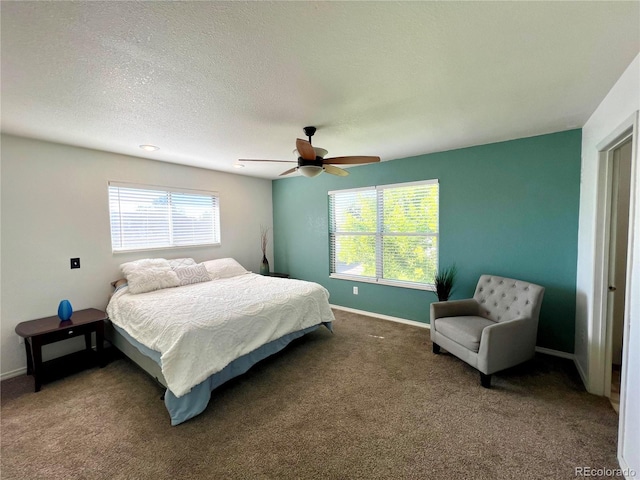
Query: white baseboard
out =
(381, 316)
(582, 374)
(543, 350)
(555, 353)
(13, 373)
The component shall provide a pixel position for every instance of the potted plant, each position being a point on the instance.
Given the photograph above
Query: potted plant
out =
(444, 280)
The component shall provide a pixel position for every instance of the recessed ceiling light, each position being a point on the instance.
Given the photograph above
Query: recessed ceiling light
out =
(149, 148)
(238, 165)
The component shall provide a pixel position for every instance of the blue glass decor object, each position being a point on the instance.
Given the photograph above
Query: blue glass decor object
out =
(65, 310)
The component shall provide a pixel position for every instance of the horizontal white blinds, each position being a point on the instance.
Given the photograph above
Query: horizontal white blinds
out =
(387, 232)
(144, 218)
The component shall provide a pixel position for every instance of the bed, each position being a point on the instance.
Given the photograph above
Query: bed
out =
(212, 325)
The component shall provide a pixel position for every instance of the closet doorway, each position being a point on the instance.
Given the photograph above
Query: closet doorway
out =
(620, 188)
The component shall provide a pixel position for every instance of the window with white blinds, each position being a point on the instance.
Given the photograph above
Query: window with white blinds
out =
(385, 234)
(147, 217)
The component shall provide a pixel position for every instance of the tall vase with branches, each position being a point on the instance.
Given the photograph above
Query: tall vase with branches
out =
(264, 239)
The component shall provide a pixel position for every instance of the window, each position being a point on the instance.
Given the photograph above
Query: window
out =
(386, 234)
(146, 217)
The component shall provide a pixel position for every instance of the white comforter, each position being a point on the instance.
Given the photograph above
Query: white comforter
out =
(199, 329)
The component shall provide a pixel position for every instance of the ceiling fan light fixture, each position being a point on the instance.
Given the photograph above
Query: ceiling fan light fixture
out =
(310, 170)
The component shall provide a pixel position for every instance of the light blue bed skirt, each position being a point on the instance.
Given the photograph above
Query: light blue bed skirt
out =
(193, 403)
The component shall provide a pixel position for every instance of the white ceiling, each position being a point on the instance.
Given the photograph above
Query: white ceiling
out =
(211, 82)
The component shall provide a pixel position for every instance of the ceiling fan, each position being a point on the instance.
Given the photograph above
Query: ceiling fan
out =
(311, 161)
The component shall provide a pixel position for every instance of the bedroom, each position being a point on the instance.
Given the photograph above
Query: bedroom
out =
(60, 187)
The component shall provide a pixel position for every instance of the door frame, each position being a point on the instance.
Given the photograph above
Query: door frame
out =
(599, 326)
(612, 183)
(600, 342)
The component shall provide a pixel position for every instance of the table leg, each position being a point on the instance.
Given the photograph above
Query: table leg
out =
(27, 347)
(36, 346)
(100, 343)
(87, 340)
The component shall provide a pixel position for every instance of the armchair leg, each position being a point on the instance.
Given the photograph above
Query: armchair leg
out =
(436, 348)
(485, 380)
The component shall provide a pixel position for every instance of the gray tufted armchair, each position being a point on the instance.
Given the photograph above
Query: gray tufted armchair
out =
(494, 330)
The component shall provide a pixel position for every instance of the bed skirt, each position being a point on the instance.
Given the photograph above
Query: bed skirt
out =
(193, 403)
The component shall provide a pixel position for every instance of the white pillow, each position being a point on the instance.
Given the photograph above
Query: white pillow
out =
(224, 268)
(181, 262)
(192, 274)
(149, 274)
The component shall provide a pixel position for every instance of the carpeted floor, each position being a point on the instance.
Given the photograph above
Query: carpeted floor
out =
(369, 401)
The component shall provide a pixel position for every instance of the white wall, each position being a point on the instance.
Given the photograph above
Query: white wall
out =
(618, 106)
(54, 207)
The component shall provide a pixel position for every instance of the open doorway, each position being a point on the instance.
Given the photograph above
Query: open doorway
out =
(619, 158)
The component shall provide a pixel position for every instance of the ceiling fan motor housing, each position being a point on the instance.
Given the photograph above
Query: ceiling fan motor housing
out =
(316, 163)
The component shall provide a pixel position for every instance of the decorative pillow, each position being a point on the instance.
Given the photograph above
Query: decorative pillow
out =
(192, 274)
(224, 268)
(181, 262)
(149, 274)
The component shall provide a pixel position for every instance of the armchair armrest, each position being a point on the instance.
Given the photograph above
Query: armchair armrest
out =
(454, 308)
(505, 344)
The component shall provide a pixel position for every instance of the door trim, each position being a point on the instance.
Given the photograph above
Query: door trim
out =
(598, 325)
(598, 328)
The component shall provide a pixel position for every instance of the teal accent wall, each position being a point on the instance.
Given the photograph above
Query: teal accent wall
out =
(508, 208)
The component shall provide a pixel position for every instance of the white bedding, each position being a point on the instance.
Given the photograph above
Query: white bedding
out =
(199, 329)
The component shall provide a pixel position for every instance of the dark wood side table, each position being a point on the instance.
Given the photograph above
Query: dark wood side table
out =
(44, 331)
(279, 275)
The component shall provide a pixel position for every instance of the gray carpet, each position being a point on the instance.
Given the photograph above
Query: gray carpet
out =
(369, 401)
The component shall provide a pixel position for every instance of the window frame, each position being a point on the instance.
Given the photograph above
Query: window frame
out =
(169, 191)
(379, 236)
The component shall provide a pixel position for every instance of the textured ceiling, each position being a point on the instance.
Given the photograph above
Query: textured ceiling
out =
(211, 82)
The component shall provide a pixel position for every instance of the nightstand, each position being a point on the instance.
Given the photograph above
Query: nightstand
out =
(279, 275)
(44, 331)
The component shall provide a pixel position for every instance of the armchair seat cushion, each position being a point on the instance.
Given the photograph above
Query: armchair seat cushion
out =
(465, 330)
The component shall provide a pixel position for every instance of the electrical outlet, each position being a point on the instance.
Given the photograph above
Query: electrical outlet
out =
(355, 290)
(75, 263)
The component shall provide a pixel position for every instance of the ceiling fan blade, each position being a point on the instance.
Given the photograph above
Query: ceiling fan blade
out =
(305, 149)
(351, 160)
(335, 170)
(291, 170)
(256, 160)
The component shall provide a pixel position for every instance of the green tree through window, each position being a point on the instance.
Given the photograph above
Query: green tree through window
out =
(387, 234)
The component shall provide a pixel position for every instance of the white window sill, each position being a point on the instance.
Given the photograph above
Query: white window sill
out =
(382, 281)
